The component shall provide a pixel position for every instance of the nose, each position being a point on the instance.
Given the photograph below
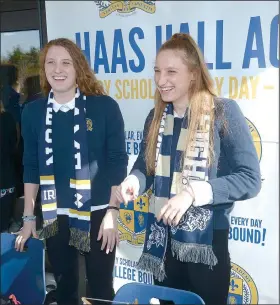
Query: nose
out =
(160, 79)
(57, 68)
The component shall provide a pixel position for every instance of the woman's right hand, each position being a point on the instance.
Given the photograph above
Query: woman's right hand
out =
(128, 190)
(29, 228)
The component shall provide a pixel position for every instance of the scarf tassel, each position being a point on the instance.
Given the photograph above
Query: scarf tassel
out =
(50, 229)
(80, 239)
(152, 264)
(193, 253)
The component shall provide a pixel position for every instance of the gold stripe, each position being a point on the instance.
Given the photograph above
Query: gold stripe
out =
(51, 206)
(176, 186)
(169, 124)
(79, 182)
(163, 166)
(47, 177)
(181, 145)
(81, 213)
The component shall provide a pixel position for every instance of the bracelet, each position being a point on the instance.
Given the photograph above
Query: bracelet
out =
(113, 208)
(29, 218)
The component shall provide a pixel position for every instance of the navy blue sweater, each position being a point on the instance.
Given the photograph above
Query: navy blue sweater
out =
(235, 173)
(106, 147)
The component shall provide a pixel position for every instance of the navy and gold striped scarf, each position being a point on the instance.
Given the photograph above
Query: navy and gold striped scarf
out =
(78, 210)
(191, 239)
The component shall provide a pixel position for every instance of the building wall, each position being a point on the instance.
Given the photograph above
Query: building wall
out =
(23, 16)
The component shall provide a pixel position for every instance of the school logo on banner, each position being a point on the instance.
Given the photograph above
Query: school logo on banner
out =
(124, 8)
(242, 288)
(132, 221)
(256, 138)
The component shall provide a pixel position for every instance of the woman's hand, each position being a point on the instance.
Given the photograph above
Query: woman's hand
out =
(109, 231)
(128, 190)
(175, 208)
(29, 228)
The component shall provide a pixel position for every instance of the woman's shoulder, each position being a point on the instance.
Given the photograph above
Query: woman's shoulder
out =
(35, 106)
(229, 117)
(150, 115)
(225, 106)
(101, 101)
(33, 111)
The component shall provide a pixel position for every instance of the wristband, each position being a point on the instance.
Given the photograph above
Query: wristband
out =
(29, 218)
(113, 208)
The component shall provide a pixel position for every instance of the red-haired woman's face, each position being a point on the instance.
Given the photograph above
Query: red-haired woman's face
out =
(60, 71)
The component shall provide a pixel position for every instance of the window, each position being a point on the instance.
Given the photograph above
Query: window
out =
(21, 49)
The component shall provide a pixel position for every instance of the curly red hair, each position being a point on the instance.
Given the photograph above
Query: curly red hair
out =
(86, 79)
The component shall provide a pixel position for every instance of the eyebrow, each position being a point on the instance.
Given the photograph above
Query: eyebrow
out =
(169, 67)
(48, 58)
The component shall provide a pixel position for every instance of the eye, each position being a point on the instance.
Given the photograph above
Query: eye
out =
(171, 71)
(156, 70)
(66, 63)
(50, 62)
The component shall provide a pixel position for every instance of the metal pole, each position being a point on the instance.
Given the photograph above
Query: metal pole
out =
(40, 23)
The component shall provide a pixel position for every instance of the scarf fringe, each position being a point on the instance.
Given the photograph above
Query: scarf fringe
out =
(50, 228)
(80, 239)
(152, 264)
(193, 253)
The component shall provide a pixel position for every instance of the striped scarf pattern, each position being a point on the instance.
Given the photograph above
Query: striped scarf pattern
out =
(78, 210)
(191, 239)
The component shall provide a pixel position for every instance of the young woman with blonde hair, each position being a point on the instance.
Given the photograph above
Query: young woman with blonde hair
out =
(74, 148)
(197, 159)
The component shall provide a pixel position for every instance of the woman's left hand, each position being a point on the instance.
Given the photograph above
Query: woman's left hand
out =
(109, 231)
(176, 207)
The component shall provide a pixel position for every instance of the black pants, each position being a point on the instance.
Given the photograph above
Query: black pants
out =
(7, 204)
(210, 284)
(64, 261)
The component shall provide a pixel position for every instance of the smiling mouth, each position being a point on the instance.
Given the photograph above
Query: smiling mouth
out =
(59, 78)
(167, 89)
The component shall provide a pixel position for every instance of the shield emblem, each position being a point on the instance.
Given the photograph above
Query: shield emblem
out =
(132, 220)
(235, 295)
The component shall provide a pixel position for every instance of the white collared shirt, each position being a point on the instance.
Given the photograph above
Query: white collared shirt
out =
(176, 115)
(64, 107)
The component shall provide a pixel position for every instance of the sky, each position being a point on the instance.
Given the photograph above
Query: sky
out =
(24, 39)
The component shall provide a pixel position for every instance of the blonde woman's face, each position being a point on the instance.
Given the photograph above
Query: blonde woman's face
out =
(60, 71)
(172, 77)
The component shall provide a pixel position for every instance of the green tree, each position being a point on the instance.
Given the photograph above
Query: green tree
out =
(26, 62)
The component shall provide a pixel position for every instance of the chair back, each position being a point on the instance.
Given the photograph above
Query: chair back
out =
(22, 273)
(136, 293)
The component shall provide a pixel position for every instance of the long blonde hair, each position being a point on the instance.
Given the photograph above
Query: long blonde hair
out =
(201, 97)
(86, 79)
